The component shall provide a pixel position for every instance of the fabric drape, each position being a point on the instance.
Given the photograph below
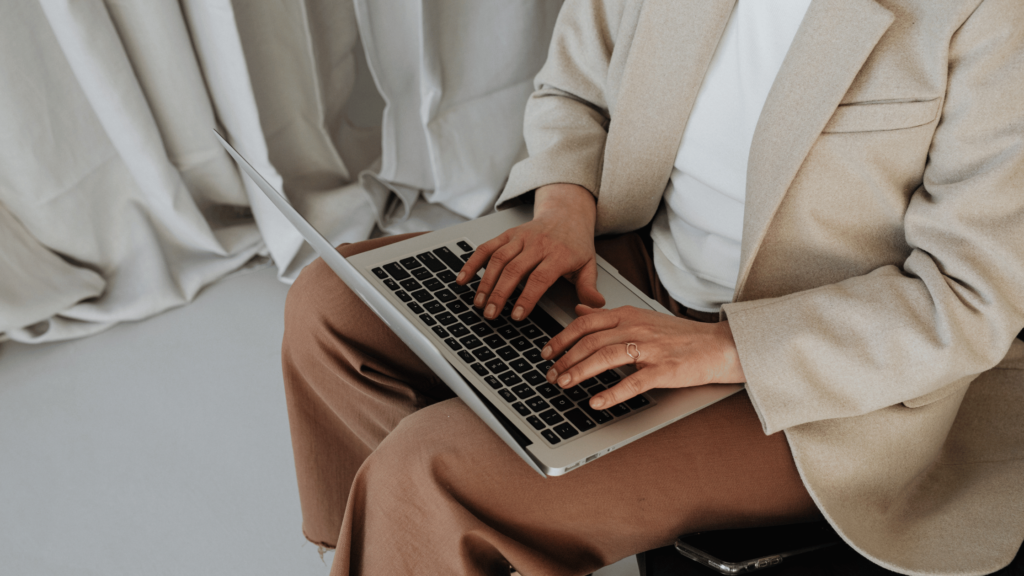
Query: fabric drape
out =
(116, 202)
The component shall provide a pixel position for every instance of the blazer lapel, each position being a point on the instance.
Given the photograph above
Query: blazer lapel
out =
(829, 49)
(671, 51)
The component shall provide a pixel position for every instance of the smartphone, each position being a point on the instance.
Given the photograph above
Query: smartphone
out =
(749, 549)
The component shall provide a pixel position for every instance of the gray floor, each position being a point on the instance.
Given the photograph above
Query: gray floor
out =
(158, 447)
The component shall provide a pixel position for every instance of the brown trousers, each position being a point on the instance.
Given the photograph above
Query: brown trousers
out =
(402, 478)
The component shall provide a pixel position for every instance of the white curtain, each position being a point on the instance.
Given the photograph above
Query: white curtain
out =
(116, 202)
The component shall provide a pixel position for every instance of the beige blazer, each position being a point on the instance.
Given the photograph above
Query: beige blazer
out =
(882, 270)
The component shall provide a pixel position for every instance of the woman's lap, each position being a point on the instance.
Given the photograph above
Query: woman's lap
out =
(433, 489)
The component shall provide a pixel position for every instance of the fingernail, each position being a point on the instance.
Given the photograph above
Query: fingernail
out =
(552, 375)
(480, 299)
(517, 314)
(597, 402)
(546, 352)
(460, 277)
(489, 311)
(564, 380)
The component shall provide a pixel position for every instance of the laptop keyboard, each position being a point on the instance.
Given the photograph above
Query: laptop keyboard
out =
(503, 352)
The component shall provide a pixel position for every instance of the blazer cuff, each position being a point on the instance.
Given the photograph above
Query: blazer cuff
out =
(534, 172)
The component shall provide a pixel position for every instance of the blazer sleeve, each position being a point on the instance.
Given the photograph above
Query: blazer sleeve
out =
(567, 116)
(953, 308)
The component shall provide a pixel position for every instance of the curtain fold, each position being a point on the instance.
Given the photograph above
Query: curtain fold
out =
(116, 201)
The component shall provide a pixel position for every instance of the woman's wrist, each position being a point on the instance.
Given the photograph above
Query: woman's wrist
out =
(733, 370)
(559, 200)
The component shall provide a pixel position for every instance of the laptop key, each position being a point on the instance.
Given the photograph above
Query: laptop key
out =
(507, 396)
(422, 296)
(592, 385)
(550, 437)
(522, 344)
(523, 391)
(484, 354)
(465, 257)
(457, 307)
(458, 330)
(608, 377)
(482, 330)
(445, 295)
(380, 273)
(497, 322)
(464, 246)
(467, 296)
(446, 318)
(577, 394)
(545, 322)
(619, 410)
(430, 261)
(531, 332)
(562, 403)
(551, 417)
(421, 274)
(396, 271)
(434, 307)
(598, 416)
(496, 366)
(470, 341)
(446, 276)
(508, 353)
(468, 358)
(460, 290)
(480, 370)
(637, 402)
(410, 284)
(535, 422)
(391, 284)
(537, 404)
(470, 317)
(579, 419)
(540, 343)
(545, 366)
(547, 390)
(403, 296)
(508, 332)
(427, 318)
(533, 355)
(566, 431)
(534, 378)
(449, 258)
(417, 309)
(494, 341)
(523, 410)
(520, 365)
(510, 378)
(492, 381)
(441, 332)
(433, 284)
(453, 343)
(410, 263)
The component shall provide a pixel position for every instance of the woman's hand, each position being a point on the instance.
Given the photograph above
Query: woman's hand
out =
(670, 352)
(558, 242)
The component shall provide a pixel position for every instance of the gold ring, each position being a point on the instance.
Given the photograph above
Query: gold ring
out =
(633, 351)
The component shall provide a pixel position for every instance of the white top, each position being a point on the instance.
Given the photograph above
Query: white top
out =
(698, 228)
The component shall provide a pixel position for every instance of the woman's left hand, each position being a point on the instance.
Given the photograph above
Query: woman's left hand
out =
(670, 352)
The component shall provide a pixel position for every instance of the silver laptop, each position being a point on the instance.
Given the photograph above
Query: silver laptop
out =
(495, 366)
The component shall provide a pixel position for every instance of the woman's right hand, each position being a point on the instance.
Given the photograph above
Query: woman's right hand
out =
(558, 242)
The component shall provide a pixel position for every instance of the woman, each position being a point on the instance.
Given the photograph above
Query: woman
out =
(838, 179)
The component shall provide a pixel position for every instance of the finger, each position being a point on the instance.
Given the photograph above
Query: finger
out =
(580, 327)
(586, 285)
(512, 275)
(495, 265)
(599, 361)
(633, 385)
(542, 277)
(480, 257)
(585, 348)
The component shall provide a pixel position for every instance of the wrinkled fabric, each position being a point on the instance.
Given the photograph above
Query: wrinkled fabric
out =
(117, 202)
